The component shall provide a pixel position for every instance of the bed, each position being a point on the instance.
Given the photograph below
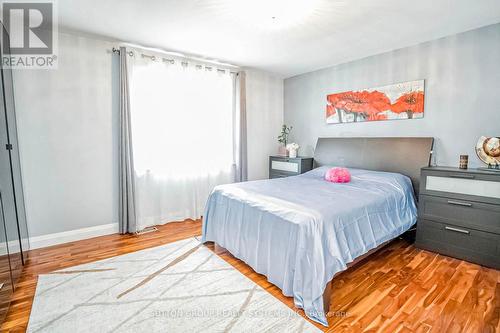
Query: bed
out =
(301, 231)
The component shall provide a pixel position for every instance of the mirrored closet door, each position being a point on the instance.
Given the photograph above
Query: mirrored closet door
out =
(13, 228)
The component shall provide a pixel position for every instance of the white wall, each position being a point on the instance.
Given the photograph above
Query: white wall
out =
(67, 125)
(68, 130)
(264, 120)
(462, 94)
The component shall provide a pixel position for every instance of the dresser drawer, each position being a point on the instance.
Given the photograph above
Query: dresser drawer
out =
(282, 166)
(470, 214)
(471, 186)
(280, 174)
(459, 242)
(285, 165)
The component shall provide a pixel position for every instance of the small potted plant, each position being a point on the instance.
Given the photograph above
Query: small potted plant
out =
(292, 149)
(283, 139)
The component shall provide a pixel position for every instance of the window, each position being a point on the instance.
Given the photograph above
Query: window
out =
(182, 134)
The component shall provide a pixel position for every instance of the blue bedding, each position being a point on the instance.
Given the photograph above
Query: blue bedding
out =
(300, 231)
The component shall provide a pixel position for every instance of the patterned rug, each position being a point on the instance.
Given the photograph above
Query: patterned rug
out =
(178, 287)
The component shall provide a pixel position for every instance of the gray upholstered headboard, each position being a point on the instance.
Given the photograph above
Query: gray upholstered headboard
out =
(401, 155)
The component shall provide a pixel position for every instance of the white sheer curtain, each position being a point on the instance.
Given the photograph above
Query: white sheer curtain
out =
(182, 136)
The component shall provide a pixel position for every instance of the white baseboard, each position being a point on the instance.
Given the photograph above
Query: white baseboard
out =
(72, 235)
(12, 246)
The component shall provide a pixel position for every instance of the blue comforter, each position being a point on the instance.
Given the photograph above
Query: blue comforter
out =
(300, 231)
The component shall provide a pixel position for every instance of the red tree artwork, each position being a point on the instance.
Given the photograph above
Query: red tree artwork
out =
(375, 104)
(362, 104)
(411, 103)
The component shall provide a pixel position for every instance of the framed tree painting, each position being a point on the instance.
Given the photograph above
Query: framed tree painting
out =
(397, 101)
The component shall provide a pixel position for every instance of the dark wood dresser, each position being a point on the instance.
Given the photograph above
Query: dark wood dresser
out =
(459, 214)
(282, 166)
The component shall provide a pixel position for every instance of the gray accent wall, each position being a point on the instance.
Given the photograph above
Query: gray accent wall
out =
(462, 94)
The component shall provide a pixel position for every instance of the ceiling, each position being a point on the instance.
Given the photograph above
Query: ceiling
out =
(286, 37)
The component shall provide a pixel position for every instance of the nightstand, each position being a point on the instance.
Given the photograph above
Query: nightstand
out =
(282, 166)
(459, 214)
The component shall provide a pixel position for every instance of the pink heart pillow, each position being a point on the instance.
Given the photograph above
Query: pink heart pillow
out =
(338, 175)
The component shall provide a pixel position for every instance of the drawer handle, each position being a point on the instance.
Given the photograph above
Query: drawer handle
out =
(459, 203)
(457, 230)
(463, 176)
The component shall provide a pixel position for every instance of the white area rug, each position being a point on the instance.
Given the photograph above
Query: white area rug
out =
(178, 287)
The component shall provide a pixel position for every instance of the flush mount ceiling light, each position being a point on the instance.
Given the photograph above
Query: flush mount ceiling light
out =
(273, 14)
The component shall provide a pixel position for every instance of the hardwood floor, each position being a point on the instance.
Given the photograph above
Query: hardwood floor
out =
(398, 289)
